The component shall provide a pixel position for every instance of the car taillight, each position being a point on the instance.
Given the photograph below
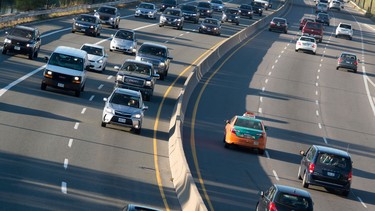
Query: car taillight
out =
(272, 207)
(272, 23)
(313, 45)
(340, 59)
(311, 167)
(298, 43)
(355, 62)
(350, 175)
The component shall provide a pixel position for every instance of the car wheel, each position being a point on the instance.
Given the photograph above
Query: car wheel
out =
(147, 97)
(337, 68)
(261, 151)
(269, 29)
(103, 124)
(218, 34)
(350, 38)
(304, 181)
(162, 76)
(237, 23)
(4, 51)
(36, 54)
(320, 40)
(160, 25)
(299, 173)
(137, 131)
(110, 50)
(77, 93)
(113, 26)
(314, 52)
(355, 71)
(83, 88)
(285, 32)
(296, 50)
(226, 145)
(336, 36)
(345, 192)
(200, 30)
(43, 86)
(73, 31)
(31, 55)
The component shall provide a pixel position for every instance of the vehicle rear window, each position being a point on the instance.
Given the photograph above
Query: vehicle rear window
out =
(125, 35)
(188, 7)
(313, 25)
(172, 12)
(217, 2)
(146, 6)
(88, 19)
(349, 56)
(308, 39)
(92, 50)
(211, 21)
(345, 26)
(278, 20)
(204, 4)
(331, 160)
(295, 201)
(248, 123)
(245, 7)
(108, 10)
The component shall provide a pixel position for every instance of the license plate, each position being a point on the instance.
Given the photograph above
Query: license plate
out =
(121, 120)
(208, 29)
(202, 13)
(256, 143)
(82, 30)
(186, 16)
(60, 85)
(169, 22)
(331, 174)
(229, 20)
(17, 48)
(348, 62)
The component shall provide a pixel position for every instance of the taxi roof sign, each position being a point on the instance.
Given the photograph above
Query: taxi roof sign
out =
(249, 114)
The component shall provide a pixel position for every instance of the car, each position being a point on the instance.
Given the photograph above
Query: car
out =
(96, 55)
(135, 207)
(66, 69)
(284, 198)
(246, 131)
(266, 4)
(323, 18)
(321, 7)
(124, 40)
(326, 166)
(246, 10)
(124, 107)
(342, 3)
(205, 9)
(172, 17)
(190, 13)
(156, 54)
(304, 20)
(257, 8)
(313, 29)
(278, 24)
(167, 4)
(231, 15)
(108, 15)
(345, 30)
(306, 43)
(147, 10)
(22, 40)
(217, 5)
(210, 26)
(347, 61)
(88, 24)
(334, 5)
(137, 75)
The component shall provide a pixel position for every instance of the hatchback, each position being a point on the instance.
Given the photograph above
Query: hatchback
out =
(278, 24)
(347, 61)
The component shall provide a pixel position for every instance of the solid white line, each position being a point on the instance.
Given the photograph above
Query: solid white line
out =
(317, 112)
(166, 41)
(64, 188)
(101, 86)
(372, 83)
(368, 91)
(109, 77)
(316, 84)
(325, 140)
(274, 173)
(187, 32)
(83, 111)
(92, 97)
(76, 125)
(285, 48)
(316, 92)
(268, 155)
(70, 143)
(266, 81)
(362, 202)
(320, 126)
(259, 110)
(273, 66)
(181, 35)
(66, 161)
(269, 73)
(261, 99)
(288, 44)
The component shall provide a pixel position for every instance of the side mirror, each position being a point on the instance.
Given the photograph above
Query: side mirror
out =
(144, 108)
(117, 68)
(169, 57)
(157, 76)
(105, 99)
(302, 153)
(227, 121)
(112, 35)
(38, 39)
(261, 193)
(46, 58)
(265, 128)
(6, 33)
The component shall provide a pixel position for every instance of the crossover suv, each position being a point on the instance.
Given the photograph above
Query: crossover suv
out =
(190, 13)
(210, 26)
(23, 40)
(124, 41)
(321, 7)
(313, 29)
(66, 69)
(257, 8)
(278, 24)
(348, 61)
(327, 167)
(231, 15)
(137, 75)
(172, 17)
(344, 29)
(88, 24)
(124, 107)
(246, 10)
(284, 198)
(205, 9)
(217, 5)
(147, 10)
(167, 3)
(157, 55)
(323, 18)
(97, 56)
(108, 15)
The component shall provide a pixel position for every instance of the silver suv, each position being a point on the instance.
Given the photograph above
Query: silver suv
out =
(124, 107)
(108, 15)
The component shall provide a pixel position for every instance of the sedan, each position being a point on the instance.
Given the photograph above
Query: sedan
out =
(147, 10)
(96, 55)
(88, 24)
(306, 43)
(124, 41)
(231, 15)
(347, 61)
(278, 24)
(210, 26)
(246, 10)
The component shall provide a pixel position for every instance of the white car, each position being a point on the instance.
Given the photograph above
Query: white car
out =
(217, 5)
(147, 10)
(124, 41)
(97, 56)
(266, 4)
(344, 29)
(335, 5)
(306, 43)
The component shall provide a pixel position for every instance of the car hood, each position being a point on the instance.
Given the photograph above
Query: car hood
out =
(188, 12)
(93, 57)
(123, 42)
(19, 39)
(146, 10)
(124, 109)
(148, 57)
(64, 70)
(85, 23)
(105, 15)
(172, 16)
(210, 25)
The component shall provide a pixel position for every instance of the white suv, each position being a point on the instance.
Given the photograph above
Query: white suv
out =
(344, 29)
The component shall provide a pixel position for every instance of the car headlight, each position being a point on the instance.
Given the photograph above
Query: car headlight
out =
(119, 78)
(77, 24)
(7, 40)
(112, 19)
(100, 61)
(161, 64)
(208, 11)
(91, 27)
(30, 45)
(138, 11)
(109, 110)
(249, 12)
(162, 18)
(138, 58)
(148, 83)
(77, 78)
(203, 26)
(216, 28)
(137, 116)
(236, 17)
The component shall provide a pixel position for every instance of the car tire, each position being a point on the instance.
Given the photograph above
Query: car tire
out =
(36, 54)
(200, 30)
(304, 181)
(350, 38)
(261, 151)
(43, 86)
(299, 173)
(73, 31)
(355, 71)
(336, 36)
(296, 50)
(345, 193)
(4, 51)
(103, 124)
(77, 93)
(160, 25)
(337, 68)
(269, 29)
(137, 131)
(31, 55)
(320, 40)
(162, 76)
(147, 97)
(285, 32)
(226, 145)
(237, 23)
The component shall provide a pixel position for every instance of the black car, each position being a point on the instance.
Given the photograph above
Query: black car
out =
(88, 24)
(246, 10)
(210, 26)
(347, 61)
(137, 75)
(323, 18)
(108, 15)
(327, 167)
(167, 3)
(231, 15)
(205, 9)
(22, 40)
(172, 17)
(257, 8)
(190, 13)
(284, 198)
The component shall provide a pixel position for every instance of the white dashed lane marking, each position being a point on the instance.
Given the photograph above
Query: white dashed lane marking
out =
(109, 77)
(92, 97)
(317, 112)
(70, 143)
(320, 126)
(100, 86)
(263, 88)
(325, 140)
(66, 161)
(363, 204)
(269, 73)
(274, 173)
(266, 81)
(83, 111)
(267, 154)
(76, 125)
(259, 110)
(64, 188)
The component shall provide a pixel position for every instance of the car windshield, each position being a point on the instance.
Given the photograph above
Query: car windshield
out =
(294, 201)
(331, 160)
(231, 11)
(307, 39)
(153, 50)
(125, 35)
(204, 4)
(188, 7)
(314, 25)
(137, 68)
(107, 10)
(66, 61)
(210, 21)
(126, 100)
(147, 6)
(22, 33)
(85, 18)
(345, 26)
(245, 7)
(248, 123)
(172, 12)
(92, 50)
(217, 2)
(323, 16)
(170, 2)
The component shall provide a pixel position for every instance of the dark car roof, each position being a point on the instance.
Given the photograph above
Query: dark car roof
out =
(154, 44)
(332, 150)
(25, 28)
(109, 7)
(292, 190)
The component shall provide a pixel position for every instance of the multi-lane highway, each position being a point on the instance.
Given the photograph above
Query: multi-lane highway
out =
(302, 98)
(55, 155)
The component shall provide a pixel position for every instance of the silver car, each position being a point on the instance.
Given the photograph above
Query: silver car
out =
(124, 107)
(147, 10)
(124, 41)
(97, 56)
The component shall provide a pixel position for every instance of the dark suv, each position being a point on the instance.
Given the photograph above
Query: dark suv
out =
(108, 15)
(23, 40)
(167, 3)
(172, 17)
(205, 9)
(137, 75)
(190, 13)
(327, 167)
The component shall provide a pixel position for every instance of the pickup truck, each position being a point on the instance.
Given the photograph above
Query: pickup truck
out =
(313, 29)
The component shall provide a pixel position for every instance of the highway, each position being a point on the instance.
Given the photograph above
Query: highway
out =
(302, 99)
(55, 155)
